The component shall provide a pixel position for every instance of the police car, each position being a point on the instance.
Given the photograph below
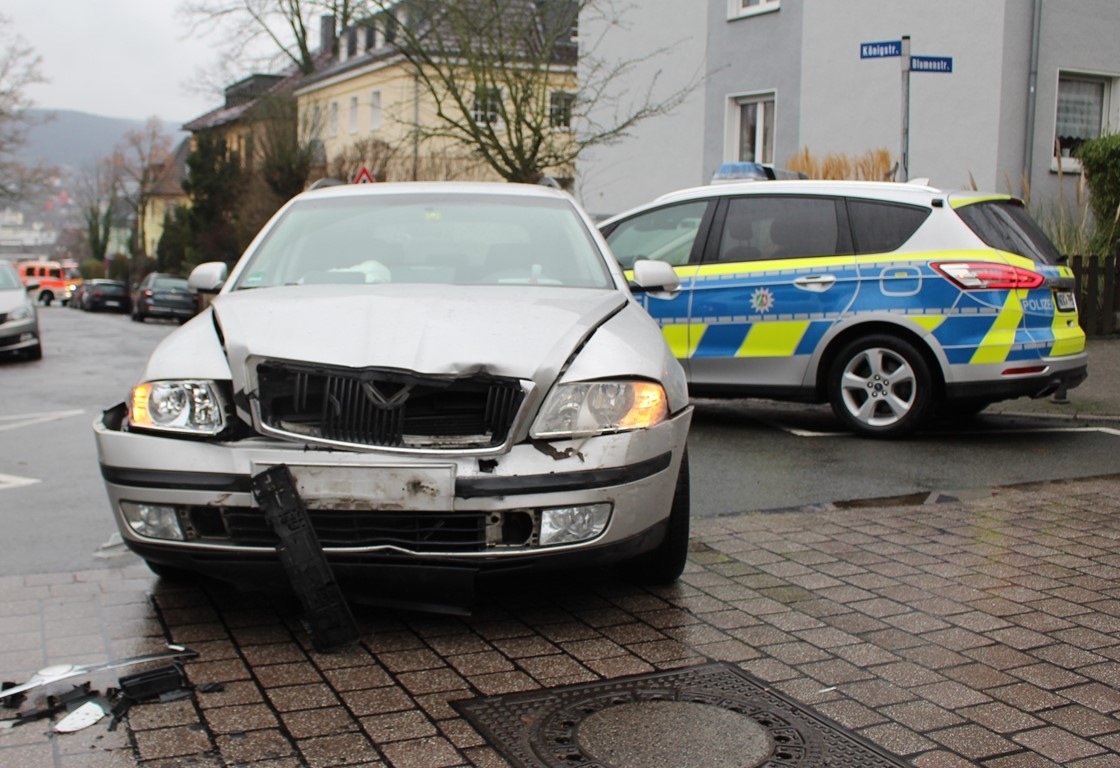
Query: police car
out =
(887, 300)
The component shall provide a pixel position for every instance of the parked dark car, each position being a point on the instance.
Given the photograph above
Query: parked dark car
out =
(100, 294)
(163, 295)
(76, 297)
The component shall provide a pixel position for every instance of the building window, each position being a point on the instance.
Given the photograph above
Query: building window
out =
(332, 119)
(1081, 115)
(560, 109)
(316, 127)
(737, 9)
(375, 110)
(353, 114)
(754, 129)
(487, 105)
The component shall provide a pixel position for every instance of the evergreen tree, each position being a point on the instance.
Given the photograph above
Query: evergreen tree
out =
(175, 243)
(213, 184)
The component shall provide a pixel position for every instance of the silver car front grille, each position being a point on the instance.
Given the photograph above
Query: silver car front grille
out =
(387, 408)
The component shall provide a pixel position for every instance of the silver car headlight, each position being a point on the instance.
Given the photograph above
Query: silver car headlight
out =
(192, 407)
(595, 407)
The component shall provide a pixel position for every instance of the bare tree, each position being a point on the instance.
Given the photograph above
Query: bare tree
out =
(252, 28)
(98, 191)
(139, 160)
(19, 68)
(503, 77)
(373, 154)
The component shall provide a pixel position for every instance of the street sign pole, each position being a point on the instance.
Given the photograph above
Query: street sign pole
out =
(905, 169)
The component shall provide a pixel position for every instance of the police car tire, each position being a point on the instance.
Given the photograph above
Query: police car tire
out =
(891, 354)
(962, 410)
(665, 564)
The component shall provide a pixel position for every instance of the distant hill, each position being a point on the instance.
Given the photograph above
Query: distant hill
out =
(77, 140)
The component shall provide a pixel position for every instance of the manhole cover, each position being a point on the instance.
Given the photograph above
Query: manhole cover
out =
(625, 735)
(698, 717)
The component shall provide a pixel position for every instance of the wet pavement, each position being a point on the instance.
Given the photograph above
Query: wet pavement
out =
(981, 630)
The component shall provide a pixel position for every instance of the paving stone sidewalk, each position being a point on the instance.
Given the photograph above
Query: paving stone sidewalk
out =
(983, 632)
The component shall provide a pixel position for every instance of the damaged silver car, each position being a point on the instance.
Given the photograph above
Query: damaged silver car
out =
(456, 376)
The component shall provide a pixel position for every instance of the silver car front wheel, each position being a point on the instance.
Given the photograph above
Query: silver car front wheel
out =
(880, 386)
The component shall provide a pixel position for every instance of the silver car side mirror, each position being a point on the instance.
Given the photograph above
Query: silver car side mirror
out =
(656, 278)
(208, 277)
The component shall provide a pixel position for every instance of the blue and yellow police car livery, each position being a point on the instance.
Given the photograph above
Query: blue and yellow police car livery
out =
(884, 299)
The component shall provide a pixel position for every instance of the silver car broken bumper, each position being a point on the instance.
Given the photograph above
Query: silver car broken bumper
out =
(208, 483)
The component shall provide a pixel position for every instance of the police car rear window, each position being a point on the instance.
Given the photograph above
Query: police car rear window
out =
(879, 227)
(1006, 225)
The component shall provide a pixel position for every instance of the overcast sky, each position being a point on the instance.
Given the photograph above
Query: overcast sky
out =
(117, 58)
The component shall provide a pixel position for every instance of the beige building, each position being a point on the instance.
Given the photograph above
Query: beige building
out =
(362, 112)
(165, 196)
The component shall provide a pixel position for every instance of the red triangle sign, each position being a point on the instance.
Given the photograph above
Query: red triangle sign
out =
(363, 176)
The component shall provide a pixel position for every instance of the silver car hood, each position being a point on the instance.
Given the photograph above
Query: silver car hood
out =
(12, 300)
(517, 331)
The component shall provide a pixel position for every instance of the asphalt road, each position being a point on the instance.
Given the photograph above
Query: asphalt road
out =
(746, 455)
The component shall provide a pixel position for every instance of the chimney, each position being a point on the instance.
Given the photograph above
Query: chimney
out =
(326, 32)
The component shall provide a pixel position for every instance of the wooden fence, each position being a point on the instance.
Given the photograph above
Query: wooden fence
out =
(1098, 292)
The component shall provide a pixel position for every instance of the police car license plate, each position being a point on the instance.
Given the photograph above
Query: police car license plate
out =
(1064, 301)
(429, 488)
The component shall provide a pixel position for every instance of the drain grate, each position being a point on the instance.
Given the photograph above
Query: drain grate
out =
(708, 715)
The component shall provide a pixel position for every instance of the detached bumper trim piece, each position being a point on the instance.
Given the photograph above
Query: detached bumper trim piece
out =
(465, 488)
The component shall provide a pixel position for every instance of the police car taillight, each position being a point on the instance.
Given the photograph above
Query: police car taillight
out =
(984, 275)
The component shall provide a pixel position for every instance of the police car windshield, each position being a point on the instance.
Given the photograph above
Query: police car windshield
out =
(455, 238)
(1006, 225)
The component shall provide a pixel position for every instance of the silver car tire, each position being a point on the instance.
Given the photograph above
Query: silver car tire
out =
(880, 386)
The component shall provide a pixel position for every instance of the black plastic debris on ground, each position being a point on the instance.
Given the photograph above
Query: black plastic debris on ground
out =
(67, 701)
(553, 727)
(326, 613)
(165, 683)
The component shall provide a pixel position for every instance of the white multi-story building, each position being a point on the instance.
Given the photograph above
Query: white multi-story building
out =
(1029, 80)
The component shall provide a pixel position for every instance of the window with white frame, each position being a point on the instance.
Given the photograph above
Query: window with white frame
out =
(753, 128)
(739, 8)
(1082, 114)
(353, 114)
(332, 119)
(375, 110)
(487, 104)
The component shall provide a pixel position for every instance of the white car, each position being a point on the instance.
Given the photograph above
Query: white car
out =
(19, 322)
(456, 376)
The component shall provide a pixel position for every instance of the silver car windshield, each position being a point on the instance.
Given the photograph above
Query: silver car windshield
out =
(9, 280)
(428, 238)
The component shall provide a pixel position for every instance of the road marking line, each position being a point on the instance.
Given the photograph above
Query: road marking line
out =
(30, 419)
(1025, 430)
(14, 481)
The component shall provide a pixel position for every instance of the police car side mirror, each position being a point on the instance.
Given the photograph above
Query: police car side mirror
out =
(656, 279)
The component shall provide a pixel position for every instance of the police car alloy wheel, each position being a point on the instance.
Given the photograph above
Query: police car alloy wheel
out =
(880, 385)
